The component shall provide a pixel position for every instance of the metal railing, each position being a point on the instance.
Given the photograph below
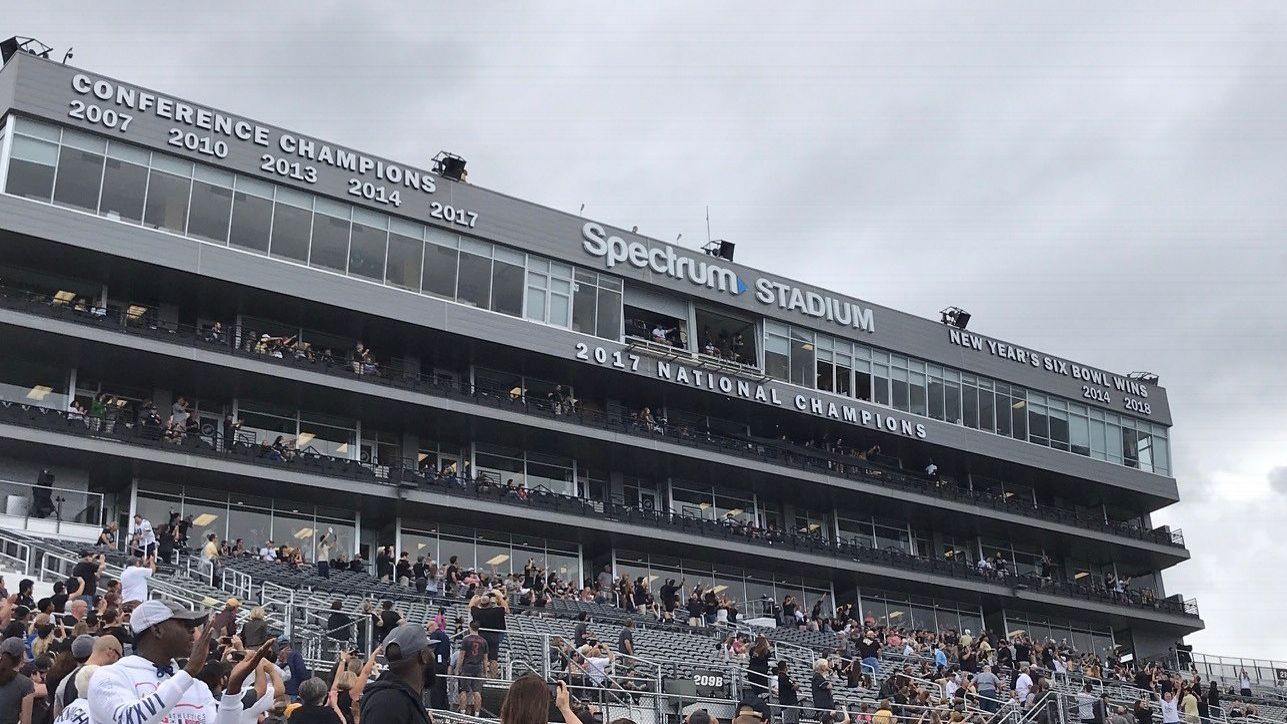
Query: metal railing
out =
(44, 502)
(406, 473)
(243, 342)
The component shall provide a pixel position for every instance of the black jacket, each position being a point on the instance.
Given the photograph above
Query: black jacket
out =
(392, 701)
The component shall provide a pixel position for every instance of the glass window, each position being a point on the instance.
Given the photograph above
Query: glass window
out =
(330, 246)
(1018, 415)
(79, 175)
(252, 215)
(899, 398)
(1058, 429)
(124, 184)
(584, 305)
(292, 224)
(507, 286)
(475, 283)
(31, 168)
(440, 270)
(802, 363)
(1039, 431)
(169, 187)
(880, 383)
(608, 315)
(405, 251)
(367, 247)
(211, 206)
(1079, 434)
(916, 385)
(987, 419)
(560, 302)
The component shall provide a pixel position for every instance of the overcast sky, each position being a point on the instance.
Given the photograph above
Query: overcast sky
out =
(1099, 182)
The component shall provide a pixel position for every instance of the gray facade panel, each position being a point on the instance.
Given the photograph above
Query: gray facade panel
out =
(45, 89)
(89, 232)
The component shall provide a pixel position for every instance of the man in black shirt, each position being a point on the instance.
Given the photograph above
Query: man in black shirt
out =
(490, 618)
(626, 639)
(87, 570)
(582, 633)
(339, 627)
(386, 620)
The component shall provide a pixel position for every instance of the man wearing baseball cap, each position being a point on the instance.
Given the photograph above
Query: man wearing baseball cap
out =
(146, 687)
(397, 698)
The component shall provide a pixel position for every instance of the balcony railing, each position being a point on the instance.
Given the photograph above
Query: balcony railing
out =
(245, 342)
(246, 448)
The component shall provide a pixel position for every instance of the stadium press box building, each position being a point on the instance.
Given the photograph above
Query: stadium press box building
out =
(634, 404)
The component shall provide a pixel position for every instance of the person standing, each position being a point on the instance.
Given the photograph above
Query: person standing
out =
(1170, 709)
(820, 687)
(441, 644)
(758, 667)
(788, 695)
(143, 537)
(148, 685)
(473, 657)
(17, 691)
(397, 698)
(88, 570)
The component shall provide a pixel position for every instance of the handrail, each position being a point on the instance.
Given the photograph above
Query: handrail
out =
(406, 474)
(236, 340)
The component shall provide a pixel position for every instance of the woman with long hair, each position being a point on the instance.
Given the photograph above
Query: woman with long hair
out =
(758, 666)
(15, 687)
(527, 702)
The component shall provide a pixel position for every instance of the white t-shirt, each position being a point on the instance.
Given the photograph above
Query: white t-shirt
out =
(1085, 706)
(143, 533)
(1170, 711)
(1022, 685)
(134, 583)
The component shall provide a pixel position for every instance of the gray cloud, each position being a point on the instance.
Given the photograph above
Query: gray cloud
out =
(1103, 183)
(1278, 480)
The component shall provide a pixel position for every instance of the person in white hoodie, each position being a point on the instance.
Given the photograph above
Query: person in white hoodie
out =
(149, 688)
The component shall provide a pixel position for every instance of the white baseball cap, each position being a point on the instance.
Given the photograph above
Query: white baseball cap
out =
(150, 613)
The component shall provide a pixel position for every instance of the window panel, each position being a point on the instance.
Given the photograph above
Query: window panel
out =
(584, 304)
(880, 383)
(79, 175)
(608, 315)
(986, 415)
(403, 266)
(899, 391)
(292, 224)
(367, 245)
(209, 213)
(1059, 429)
(124, 185)
(475, 282)
(167, 201)
(507, 288)
(536, 308)
(969, 406)
(330, 244)
(252, 214)
(916, 385)
(440, 271)
(803, 368)
(31, 168)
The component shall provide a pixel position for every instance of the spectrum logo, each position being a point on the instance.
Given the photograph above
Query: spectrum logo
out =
(662, 260)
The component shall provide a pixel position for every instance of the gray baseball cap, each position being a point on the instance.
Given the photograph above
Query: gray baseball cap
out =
(14, 647)
(82, 647)
(404, 642)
